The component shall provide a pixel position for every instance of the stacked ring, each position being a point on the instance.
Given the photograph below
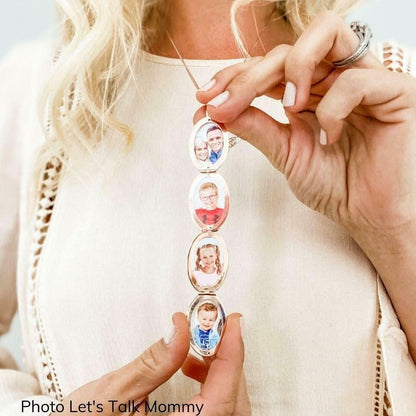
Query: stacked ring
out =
(364, 34)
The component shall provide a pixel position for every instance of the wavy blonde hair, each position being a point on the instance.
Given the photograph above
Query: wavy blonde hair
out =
(100, 43)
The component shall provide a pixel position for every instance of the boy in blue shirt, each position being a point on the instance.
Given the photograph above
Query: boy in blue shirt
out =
(204, 335)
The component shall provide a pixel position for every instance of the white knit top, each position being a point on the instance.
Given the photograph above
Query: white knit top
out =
(103, 265)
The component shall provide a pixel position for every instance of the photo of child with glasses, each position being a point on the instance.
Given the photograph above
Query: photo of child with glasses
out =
(209, 213)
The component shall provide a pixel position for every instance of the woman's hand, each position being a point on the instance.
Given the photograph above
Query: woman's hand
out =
(222, 393)
(366, 177)
(349, 151)
(223, 390)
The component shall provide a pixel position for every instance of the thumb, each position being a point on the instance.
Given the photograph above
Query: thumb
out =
(260, 130)
(264, 133)
(223, 379)
(155, 365)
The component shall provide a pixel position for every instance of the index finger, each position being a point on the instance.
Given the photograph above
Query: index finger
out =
(330, 38)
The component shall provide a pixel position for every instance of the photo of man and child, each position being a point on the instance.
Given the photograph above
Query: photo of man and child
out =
(207, 262)
(208, 321)
(209, 146)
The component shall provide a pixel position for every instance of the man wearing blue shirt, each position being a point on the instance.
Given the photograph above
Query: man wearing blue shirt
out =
(215, 143)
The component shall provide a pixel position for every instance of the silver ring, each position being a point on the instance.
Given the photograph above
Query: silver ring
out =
(363, 31)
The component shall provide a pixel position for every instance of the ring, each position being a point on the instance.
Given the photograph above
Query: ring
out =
(363, 31)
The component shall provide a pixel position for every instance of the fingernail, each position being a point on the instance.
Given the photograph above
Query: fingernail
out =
(323, 137)
(169, 338)
(219, 99)
(289, 96)
(208, 85)
(242, 327)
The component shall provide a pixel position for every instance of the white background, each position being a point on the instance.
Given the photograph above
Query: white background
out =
(22, 20)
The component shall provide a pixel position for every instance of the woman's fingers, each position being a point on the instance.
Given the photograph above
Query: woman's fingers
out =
(243, 407)
(262, 131)
(232, 90)
(305, 68)
(238, 89)
(383, 95)
(222, 78)
(195, 368)
(328, 37)
(153, 367)
(223, 379)
(223, 389)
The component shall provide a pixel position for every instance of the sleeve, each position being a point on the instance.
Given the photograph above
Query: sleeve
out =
(412, 64)
(398, 368)
(15, 87)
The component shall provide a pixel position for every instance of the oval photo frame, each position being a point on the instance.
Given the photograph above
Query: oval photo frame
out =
(209, 201)
(208, 145)
(207, 320)
(207, 262)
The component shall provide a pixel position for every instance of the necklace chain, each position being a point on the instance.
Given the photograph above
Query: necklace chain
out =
(233, 140)
(183, 61)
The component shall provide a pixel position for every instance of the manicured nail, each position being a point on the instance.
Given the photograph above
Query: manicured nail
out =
(289, 96)
(323, 138)
(219, 99)
(169, 338)
(208, 85)
(242, 327)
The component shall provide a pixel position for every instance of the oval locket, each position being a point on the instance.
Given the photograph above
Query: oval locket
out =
(207, 264)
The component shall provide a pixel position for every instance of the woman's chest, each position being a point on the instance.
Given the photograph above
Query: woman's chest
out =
(113, 269)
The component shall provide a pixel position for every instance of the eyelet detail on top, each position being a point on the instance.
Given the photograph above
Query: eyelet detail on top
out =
(382, 405)
(397, 59)
(47, 195)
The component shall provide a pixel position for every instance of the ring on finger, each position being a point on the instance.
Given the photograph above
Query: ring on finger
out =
(363, 31)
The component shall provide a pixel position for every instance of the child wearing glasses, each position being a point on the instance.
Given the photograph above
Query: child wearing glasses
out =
(209, 214)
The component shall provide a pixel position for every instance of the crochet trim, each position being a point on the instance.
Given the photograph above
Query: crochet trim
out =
(47, 195)
(397, 59)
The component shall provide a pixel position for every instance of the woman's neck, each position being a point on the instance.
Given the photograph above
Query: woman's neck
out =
(201, 29)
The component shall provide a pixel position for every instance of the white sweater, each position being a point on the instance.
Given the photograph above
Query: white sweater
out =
(112, 268)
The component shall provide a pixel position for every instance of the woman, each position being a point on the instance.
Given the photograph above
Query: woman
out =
(309, 293)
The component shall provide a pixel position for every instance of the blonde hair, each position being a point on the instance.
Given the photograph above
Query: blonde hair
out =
(101, 41)
(208, 185)
(198, 260)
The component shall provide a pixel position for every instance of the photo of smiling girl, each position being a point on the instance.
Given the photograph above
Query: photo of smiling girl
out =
(208, 268)
(207, 262)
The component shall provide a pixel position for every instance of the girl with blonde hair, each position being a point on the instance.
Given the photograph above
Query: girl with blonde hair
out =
(329, 300)
(200, 264)
(208, 268)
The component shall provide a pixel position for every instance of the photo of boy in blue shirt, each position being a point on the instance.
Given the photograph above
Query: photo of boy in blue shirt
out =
(203, 333)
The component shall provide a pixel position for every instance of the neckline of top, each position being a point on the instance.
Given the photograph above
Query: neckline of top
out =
(147, 56)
